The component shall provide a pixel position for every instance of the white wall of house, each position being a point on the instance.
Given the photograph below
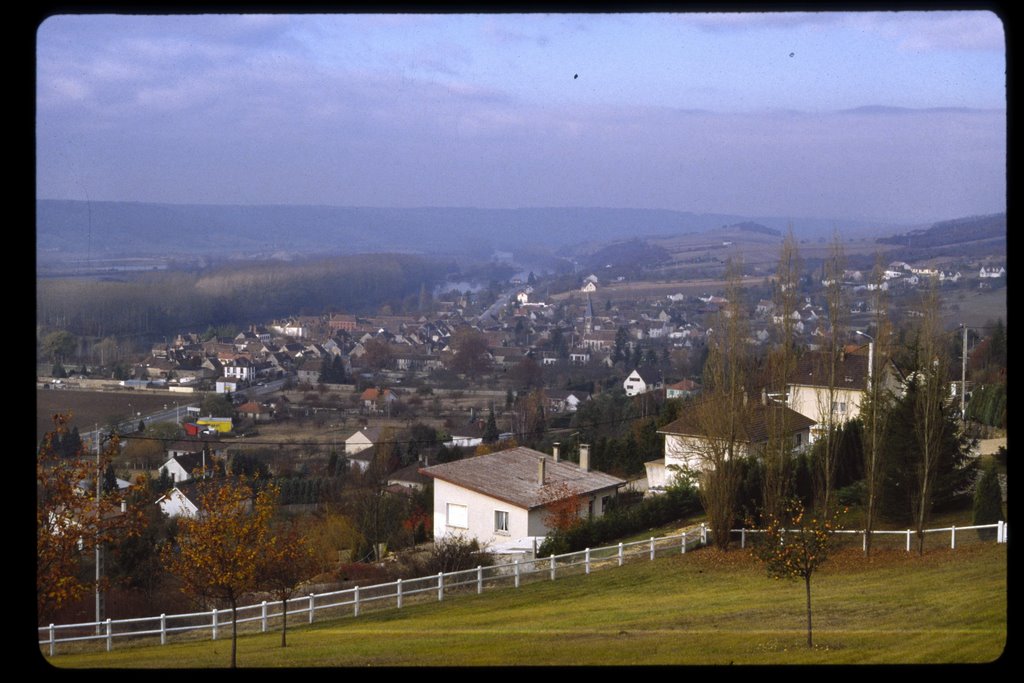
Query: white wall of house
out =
(814, 402)
(176, 471)
(473, 516)
(634, 384)
(357, 442)
(175, 504)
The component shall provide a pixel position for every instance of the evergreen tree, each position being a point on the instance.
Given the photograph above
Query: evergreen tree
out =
(491, 432)
(988, 501)
(620, 351)
(954, 468)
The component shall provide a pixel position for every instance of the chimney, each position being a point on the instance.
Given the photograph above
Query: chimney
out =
(584, 457)
(540, 471)
(554, 450)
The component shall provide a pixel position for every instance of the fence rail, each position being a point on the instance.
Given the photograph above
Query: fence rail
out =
(396, 594)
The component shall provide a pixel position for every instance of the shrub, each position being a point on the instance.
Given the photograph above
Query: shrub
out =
(622, 520)
(452, 554)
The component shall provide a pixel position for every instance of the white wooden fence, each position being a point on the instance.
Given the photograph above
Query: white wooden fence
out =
(354, 601)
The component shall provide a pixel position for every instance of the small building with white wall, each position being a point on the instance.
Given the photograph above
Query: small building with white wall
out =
(502, 497)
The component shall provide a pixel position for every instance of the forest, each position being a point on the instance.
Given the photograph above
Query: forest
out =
(163, 303)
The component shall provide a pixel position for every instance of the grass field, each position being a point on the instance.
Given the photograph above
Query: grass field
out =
(702, 608)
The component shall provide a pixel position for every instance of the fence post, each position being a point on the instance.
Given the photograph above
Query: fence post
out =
(355, 602)
(163, 629)
(552, 566)
(908, 540)
(864, 542)
(743, 538)
(479, 579)
(652, 548)
(517, 573)
(952, 537)
(620, 554)
(51, 640)
(215, 623)
(703, 534)
(684, 543)
(586, 561)
(263, 615)
(999, 533)
(312, 607)
(398, 591)
(440, 586)
(110, 635)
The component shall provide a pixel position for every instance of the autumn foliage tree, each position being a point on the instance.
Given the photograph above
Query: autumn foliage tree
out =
(73, 517)
(563, 504)
(287, 563)
(219, 554)
(794, 545)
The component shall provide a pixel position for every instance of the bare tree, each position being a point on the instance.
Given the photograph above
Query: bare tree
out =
(875, 410)
(826, 454)
(778, 452)
(720, 414)
(932, 394)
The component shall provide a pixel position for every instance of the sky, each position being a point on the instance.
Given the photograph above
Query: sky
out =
(883, 116)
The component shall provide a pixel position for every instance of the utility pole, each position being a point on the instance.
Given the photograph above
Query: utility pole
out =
(99, 550)
(963, 379)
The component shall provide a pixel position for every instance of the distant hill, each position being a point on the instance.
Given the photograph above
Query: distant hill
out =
(749, 226)
(975, 236)
(90, 230)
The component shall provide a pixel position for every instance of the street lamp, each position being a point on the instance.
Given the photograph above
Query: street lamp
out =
(871, 473)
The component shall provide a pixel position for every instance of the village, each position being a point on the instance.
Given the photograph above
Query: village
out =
(528, 362)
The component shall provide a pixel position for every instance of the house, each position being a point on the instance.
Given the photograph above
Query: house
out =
(503, 496)
(808, 386)
(378, 400)
(466, 436)
(180, 466)
(687, 438)
(566, 401)
(226, 385)
(682, 389)
(362, 439)
(360, 460)
(409, 477)
(175, 503)
(255, 411)
(642, 380)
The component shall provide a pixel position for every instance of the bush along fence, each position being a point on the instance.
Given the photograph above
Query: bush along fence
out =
(355, 601)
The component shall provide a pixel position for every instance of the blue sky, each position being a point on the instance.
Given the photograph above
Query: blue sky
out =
(895, 116)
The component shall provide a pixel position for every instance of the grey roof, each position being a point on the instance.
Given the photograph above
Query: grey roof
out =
(851, 371)
(512, 476)
(756, 422)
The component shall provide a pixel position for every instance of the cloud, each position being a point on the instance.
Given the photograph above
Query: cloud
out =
(927, 31)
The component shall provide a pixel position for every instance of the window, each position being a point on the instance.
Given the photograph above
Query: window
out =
(458, 516)
(501, 521)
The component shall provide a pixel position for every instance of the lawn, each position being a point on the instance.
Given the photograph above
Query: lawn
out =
(702, 608)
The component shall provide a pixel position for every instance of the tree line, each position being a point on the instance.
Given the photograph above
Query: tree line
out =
(164, 303)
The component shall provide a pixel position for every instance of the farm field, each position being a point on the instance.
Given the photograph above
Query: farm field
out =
(702, 608)
(89, 408)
